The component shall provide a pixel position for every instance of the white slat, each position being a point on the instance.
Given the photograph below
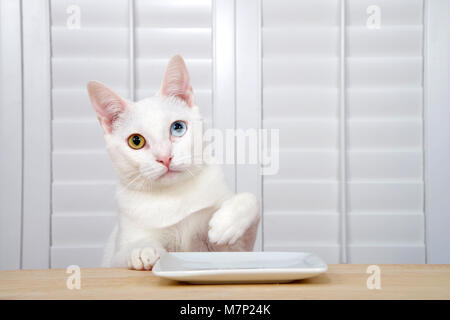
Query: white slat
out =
(393, 13)
(368, 226)
(385, 196)
(302, 227)
(328, 252)
(82, 230)
(306, 164)
(385, 72)
(389, 134)
(82, 165)
(303, 231)
(300, 41)
(77, 135)
(88, 42)
(387, 103)
(76, 72)
(304, 133)
(394, 41)
(307, 72)
(161, 43)
(287, 195)
(82, 256)
(379, 165)
(173, 13)
(307, 12)
(103, 13)
(297, 102)
(92, 196)
(379, 254)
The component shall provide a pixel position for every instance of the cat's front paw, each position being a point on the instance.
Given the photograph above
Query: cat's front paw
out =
(233, 219)
(219, 235)
(143, 258)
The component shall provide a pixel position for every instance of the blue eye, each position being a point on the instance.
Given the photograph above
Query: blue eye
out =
(178, 128)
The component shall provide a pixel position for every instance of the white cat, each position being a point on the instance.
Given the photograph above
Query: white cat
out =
(167, 201)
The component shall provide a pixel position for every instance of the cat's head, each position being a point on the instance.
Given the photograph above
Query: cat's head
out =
(150, 141)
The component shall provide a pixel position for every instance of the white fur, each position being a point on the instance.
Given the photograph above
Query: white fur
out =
(189, 209)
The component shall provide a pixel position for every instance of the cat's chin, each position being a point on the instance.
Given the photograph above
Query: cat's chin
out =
(171, 177)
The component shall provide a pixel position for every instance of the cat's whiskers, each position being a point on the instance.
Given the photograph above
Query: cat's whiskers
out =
(180, 159)
(190, 172)
(129, 183)
(151, 174)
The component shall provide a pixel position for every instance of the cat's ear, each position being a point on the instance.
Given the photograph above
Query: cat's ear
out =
(107, 104)
(176, 81)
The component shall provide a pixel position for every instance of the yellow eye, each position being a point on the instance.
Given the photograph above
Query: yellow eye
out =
(136, 141)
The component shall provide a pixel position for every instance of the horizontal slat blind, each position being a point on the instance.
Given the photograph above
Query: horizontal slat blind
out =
(165, 28)
(300, 98)
(83, 179)
(385, 152)
(84, 207)
(300, 70)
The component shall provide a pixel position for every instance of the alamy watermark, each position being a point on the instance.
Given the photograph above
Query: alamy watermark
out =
(374, 280)
(237, 146)
(374, 18)
(74, 280)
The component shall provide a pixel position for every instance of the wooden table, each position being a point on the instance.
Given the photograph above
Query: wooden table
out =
(340, 282)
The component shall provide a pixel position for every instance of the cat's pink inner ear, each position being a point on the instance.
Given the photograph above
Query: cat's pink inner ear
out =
(106, 103)
(176, 81)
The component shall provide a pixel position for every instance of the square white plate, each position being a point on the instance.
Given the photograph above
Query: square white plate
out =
(238, 267)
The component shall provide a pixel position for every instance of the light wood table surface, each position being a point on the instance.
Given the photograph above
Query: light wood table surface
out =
(340, 282)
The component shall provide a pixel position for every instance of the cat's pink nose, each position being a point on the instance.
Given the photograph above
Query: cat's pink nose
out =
(165, 161)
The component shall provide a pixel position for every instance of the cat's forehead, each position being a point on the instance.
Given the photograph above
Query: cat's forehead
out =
(161, 108)
(153, 116)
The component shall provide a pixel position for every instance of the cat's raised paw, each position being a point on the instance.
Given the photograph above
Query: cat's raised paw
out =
(143, 258)
(221, 236)
(233, 219)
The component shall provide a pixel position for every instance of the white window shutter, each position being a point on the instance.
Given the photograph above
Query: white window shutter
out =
(301, 98)
(383, 138)
(84, 207)
(301, 92)
(166, 28)
(83, 211)
(385, 133)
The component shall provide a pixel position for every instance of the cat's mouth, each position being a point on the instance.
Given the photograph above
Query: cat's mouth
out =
(169, 173)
